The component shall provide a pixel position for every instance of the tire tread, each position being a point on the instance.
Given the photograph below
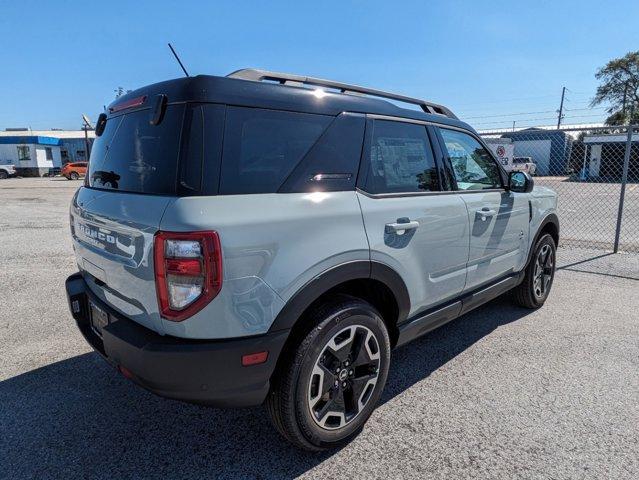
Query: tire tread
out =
(281, 401)
(522, 293)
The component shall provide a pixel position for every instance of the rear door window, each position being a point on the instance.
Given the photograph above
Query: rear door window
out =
(262, 147)
(401, 159)
(134, 156)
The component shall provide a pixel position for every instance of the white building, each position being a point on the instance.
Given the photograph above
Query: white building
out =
(34, 152)
(604, 157)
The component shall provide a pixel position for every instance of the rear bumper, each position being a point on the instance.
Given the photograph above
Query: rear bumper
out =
(198, 371)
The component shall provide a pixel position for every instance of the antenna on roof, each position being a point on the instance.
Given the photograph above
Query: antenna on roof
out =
(178, 59)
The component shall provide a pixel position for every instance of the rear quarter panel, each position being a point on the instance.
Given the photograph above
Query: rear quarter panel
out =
(272, 245)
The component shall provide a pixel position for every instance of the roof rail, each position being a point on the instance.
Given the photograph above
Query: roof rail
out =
(257, 75)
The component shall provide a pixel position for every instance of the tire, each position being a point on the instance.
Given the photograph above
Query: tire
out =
(3, 174)
(73, 176)
(305, 404)
(540, 273)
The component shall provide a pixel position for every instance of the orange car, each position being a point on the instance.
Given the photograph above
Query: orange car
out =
(73, 171)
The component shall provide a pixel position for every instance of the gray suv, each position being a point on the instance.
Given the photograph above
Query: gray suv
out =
(267, 238)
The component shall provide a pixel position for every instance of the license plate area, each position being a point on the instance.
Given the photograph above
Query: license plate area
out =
(98, 319)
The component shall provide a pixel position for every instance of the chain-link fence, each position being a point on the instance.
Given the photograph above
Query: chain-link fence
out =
(595, 172)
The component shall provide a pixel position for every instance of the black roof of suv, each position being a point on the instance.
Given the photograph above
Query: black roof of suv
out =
(258, 88)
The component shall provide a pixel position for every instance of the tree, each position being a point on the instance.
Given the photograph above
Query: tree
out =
(619, 88)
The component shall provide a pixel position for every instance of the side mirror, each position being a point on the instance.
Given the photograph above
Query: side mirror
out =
(520, 182)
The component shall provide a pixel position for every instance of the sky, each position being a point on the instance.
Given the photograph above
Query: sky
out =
(491, 62)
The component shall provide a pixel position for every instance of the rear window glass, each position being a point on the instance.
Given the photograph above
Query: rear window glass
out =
(262, 147)
(331, 165)
(134, 156)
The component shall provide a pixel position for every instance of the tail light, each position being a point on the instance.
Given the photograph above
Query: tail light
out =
(188, 272)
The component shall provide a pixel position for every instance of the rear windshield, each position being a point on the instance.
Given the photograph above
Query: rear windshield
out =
(132, 155)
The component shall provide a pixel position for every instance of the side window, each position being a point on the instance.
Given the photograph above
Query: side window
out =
(473, 167)
(331, 165)
(262, 147)
(24, 153)
(401, 159)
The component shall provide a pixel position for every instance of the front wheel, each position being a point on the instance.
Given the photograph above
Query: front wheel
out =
(329, 384)
(540, 273)
(73, 176)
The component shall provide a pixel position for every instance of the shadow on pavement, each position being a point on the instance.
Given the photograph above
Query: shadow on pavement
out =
(608, 264)
(79, 418)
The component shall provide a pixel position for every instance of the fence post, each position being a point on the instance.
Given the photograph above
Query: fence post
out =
(624, 180)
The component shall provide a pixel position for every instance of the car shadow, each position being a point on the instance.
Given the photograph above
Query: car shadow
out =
(79, 418)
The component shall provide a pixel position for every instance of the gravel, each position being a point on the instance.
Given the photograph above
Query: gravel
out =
(499, 393)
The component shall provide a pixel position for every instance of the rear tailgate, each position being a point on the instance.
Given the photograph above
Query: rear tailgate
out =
(131, 178)
(113, 241)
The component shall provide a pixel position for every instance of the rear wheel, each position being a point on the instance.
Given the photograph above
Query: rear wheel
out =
(329, 384)
(3, 174)
(540, 273)
(73, 176)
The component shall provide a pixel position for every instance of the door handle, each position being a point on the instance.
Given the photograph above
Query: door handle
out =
(486, 212)
(401, 226)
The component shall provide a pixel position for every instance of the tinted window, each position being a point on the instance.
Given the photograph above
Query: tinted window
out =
(262, 147)
(473, 167)
(213, 135)
(192, 151)
(332, 164)
(401, 159)
(134, 156)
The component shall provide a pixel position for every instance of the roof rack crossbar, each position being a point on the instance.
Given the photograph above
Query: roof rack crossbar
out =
(257, 75)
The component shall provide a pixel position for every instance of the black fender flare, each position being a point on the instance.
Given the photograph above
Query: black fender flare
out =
(355, 270)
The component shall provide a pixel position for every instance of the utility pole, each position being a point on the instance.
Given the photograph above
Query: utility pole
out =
(86, 142)
(86, 126)
(625, 94)
(561, 107)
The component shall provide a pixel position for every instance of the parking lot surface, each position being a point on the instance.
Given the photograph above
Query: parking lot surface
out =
(499, 393)
(589, 212)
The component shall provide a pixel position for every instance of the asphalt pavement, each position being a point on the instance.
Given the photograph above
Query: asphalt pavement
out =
(499, 393)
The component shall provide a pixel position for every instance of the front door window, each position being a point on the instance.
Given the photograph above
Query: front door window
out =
(473, 167)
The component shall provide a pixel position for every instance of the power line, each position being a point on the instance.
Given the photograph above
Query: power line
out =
(537, 119)
(510, 114)
(502, 100)
(518, 114)
(578, 109)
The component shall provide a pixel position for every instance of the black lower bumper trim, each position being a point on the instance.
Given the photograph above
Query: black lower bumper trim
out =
(198, 371)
